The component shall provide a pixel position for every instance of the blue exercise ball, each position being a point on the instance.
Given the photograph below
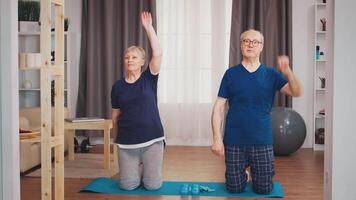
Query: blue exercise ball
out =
(288, 129)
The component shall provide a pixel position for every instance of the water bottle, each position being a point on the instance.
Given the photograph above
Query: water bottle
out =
(317, 55)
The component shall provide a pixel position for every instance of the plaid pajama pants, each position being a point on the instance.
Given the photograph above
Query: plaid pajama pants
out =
(259, 158)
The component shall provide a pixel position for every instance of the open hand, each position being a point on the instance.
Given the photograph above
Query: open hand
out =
(283, 64)
(146, 19)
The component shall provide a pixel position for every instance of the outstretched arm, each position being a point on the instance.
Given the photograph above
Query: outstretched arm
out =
(293, 87)
(217, 119)
(156, 60)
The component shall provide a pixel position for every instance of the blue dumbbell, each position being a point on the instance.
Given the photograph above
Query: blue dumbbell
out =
(184, 189)
(195, 189)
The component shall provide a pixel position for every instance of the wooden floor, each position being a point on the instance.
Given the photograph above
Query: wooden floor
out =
(301, 175)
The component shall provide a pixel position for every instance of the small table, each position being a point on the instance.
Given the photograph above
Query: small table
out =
(104, 125)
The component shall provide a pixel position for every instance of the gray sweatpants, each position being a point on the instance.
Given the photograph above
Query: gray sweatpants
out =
(142, 163)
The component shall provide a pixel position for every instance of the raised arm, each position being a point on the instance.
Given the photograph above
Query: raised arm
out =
(217, 119)
(115, 114)
(293, 87)
(156, 60)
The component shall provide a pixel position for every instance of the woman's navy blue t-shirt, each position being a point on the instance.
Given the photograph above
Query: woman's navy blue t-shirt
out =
(250, 96)
(139, 123)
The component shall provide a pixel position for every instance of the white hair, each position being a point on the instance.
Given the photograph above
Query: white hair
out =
(242, 36)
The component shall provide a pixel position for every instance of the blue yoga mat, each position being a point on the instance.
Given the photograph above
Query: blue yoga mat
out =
(110, 186)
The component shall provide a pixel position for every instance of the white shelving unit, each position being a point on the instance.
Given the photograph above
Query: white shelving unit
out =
(319, 72)
(29, 94)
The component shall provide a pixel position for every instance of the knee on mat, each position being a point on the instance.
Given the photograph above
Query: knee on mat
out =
(153, 185)
(235, 188)
(262, 189)
(129, 185)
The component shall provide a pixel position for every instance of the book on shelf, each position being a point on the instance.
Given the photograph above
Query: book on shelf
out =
(84, 119)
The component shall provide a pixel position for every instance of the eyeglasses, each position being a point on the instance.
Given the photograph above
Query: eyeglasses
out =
(254, 43)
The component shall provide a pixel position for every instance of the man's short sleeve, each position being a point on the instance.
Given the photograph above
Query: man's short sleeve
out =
(280, 79)
(223, 90)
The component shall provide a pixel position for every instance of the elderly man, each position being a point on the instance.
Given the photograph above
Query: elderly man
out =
(250, 88)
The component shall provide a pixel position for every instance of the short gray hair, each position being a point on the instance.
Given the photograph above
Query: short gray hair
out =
(253, 30)
(136, 49)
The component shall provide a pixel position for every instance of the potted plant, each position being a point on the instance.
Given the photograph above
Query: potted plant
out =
(29, 15)
(66, 25)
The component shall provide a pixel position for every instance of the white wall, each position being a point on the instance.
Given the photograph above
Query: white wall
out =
(303, 52)
(343, 142)
(9, 146)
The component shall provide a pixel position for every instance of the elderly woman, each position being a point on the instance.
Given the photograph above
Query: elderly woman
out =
(137, 127)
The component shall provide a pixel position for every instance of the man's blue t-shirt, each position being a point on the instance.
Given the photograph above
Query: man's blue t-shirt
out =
(139, 121)
(250, 96)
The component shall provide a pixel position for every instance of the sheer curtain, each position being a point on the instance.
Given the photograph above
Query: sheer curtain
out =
(195, 37)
